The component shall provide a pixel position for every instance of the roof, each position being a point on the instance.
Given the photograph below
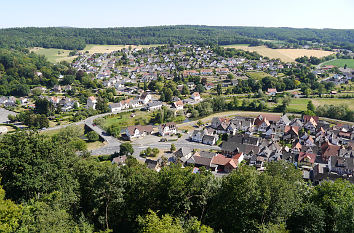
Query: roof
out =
(307, 118)
(346, 163)
(141, 128)
(195, 94)
(327, 149)
(310, 156)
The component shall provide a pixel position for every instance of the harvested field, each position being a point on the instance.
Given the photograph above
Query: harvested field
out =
(93, 48)
(286, 55)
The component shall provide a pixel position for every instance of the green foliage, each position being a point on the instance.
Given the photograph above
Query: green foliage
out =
(10, 213)
(126, 149)
(92, 136)
(150, 152)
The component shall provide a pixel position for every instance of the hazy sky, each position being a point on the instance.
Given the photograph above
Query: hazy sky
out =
(117, 13)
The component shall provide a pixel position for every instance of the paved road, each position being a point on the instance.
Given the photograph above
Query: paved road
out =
(4, 114)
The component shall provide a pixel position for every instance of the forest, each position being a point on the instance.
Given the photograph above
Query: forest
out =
(47, 186)
(77, 38)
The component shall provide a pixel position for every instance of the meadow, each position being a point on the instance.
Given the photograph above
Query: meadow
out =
(286, 55)
(54, 55)
(58, 55)
(300, 104)
(340, 63)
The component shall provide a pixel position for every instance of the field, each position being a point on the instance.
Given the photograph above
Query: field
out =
(257, 75)
(301, 104)
(54, 55)
(58, 55)
(93, 48)
(124, 119)
(286, 55)
(340, 63)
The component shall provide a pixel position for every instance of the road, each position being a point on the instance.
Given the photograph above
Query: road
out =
(4, 114)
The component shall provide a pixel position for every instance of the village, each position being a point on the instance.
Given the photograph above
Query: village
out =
(138, 79)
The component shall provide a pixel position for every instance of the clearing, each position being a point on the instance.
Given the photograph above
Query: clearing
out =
(286, 55)
(54, 55)
(340, 63)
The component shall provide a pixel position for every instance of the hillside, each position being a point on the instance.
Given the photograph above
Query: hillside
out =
(77, 38)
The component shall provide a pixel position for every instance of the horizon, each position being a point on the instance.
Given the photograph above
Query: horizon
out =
(315, 14)
(176, 25)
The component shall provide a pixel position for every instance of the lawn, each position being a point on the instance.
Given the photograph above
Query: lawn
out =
(341, 63)
(54, 55)
(124, 119)
(257, 75)
(300, 104)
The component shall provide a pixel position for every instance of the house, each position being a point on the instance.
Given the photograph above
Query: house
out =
(202, 159)
(224, 164)
(217, 121)
(137, 131)
(145, 98)
(197, 135)
(115, 107)
(153, 164)
(239, 143)
(91, 102)
(328, 150)
(284, 120)
(167, 129)
(291, 132)
(272, 91)
(178, 105)
(196, 96)
(3, 129)
(341, 166)
(210, 139)
(154, 105)
(311, 125)
(307, 159)
(120, 160)
(182, 154)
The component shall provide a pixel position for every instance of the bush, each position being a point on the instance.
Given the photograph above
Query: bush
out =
(92, 136)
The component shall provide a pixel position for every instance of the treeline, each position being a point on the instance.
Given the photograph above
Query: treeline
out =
(340, 112)
(77, 38)
(50, 188)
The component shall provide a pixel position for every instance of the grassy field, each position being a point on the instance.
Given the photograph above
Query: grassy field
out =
(54, 55)
(257, 75)
(301, 104)
(124, 119)
(58, 55)
(286, 55)
(93, 48)
(341, 63)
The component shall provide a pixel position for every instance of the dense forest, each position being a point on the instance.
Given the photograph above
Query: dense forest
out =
(47, 186)
(77, 38)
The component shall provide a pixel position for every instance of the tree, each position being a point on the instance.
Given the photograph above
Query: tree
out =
(92, 136)
(126, 149)
(173, 147)
(44, 106)
(307, 92)
(219, 89)
(151, 223)
(185, 90)
(10, 214)
(30, 171)
(311, 106)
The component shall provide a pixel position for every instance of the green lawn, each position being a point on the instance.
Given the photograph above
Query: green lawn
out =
(297, 105)
(124, 119)
(257, 75)
(54, 55)
(341, 63)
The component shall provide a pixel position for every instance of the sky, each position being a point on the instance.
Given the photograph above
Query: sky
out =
(128, 13)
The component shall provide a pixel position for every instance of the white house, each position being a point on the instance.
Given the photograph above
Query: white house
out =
(91, 102)
(115, 107)
(196, 96)
(145, 98)
(167, 129)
